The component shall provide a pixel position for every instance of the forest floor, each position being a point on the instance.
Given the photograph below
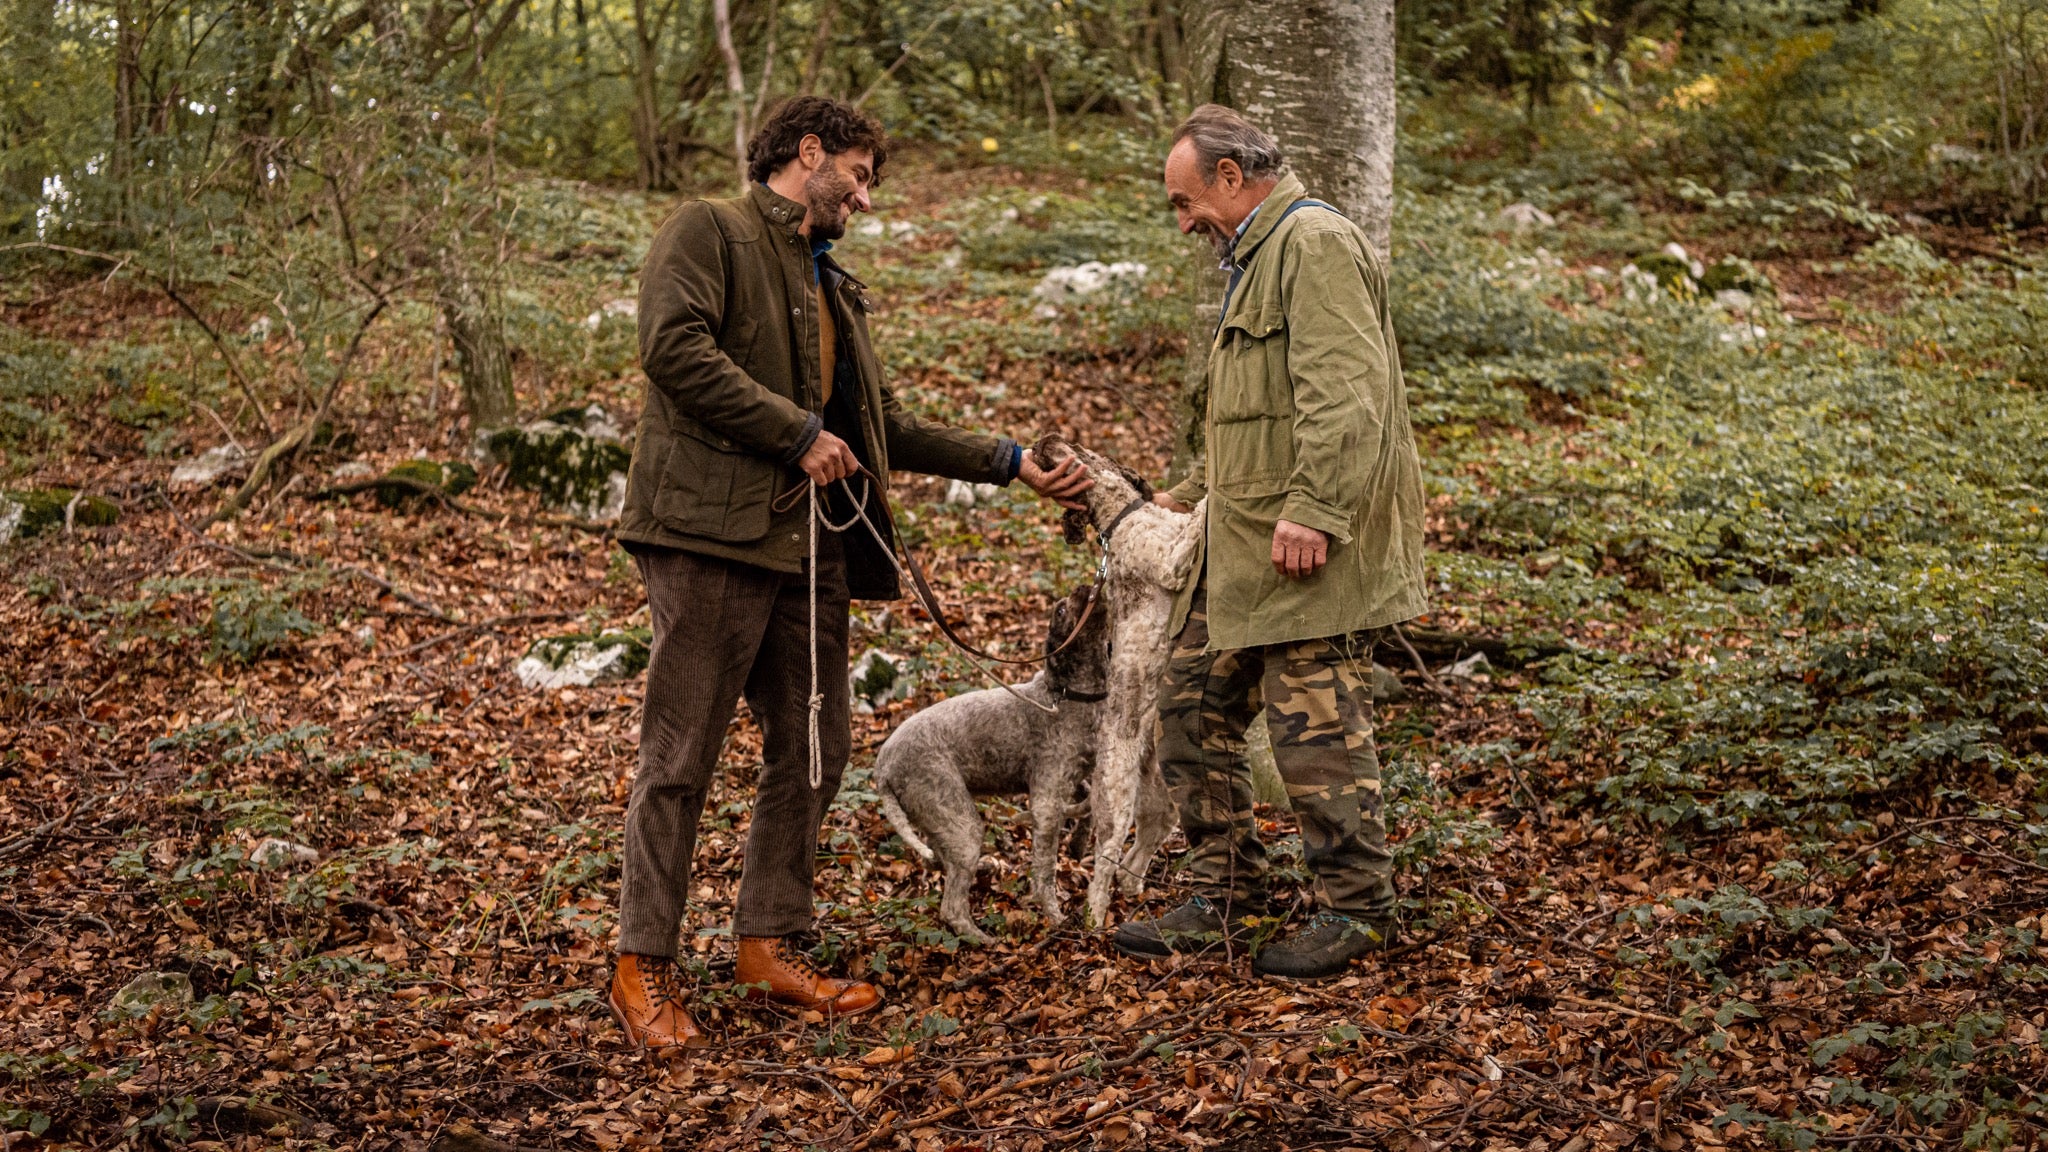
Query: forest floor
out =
(434, 976)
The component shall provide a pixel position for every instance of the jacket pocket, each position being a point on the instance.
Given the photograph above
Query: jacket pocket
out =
(1248, 367)
(713, 487)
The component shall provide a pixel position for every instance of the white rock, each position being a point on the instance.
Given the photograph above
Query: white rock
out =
(1743, 334)
(10, 517)
(960, 492)
(1735, 300)
(580, 665)
(1045, 312)
(1523, 216)
(1597, 272)
(259, 329)
(1953, 154)
(276, 853)
(1073, 281)
(613, 505)
(595, 422)
(210, 466)
(622, 306)
(352, 470)
(1677, 251)
(869, 227)
(151, 989)
(877, 678)
(898, 229)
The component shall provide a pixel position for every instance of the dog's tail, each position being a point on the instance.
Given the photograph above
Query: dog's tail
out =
(901, 822)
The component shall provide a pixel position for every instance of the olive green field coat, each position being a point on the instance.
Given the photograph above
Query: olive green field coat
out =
(1308, 422)
(729, 342)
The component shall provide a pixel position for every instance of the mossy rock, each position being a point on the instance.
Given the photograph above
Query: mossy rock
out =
(582, 658)
(1668, 270)
(572, 469)
(453, 477)
(1733, 273)
(36, 510)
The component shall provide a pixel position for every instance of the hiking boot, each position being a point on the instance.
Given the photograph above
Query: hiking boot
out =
(1196, 926)
(773, 967)
(1325, 946)
(647, 1001)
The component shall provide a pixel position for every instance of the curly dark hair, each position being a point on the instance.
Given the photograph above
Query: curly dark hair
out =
(837, 125)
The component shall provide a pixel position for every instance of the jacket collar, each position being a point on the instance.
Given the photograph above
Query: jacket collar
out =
(1270, 211)
(777, 209)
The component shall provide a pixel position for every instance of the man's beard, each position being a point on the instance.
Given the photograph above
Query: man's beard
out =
(825, 194)
(1220, 240)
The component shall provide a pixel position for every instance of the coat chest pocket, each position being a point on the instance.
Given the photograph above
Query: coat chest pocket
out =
(1248, 367)
(713, 487)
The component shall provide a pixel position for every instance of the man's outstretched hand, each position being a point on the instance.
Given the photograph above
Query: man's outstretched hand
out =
(828, 459)
(1298, 550)
(1062, 484)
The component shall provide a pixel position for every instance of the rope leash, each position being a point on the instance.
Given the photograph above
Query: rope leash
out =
(925, 598)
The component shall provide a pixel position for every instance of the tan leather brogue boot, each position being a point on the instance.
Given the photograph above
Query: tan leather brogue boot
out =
(771, 967)
(647, 1001)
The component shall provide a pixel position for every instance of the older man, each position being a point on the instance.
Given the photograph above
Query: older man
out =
(761, 380)
(1314, 546)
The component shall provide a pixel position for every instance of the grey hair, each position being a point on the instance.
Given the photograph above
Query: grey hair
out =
(1219, 133)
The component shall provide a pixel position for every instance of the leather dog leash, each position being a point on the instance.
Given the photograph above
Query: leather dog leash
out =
(926, 597)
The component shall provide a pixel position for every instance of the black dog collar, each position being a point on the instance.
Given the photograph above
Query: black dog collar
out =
(1136, 503)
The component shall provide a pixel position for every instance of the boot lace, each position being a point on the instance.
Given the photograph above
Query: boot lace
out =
(663, 982)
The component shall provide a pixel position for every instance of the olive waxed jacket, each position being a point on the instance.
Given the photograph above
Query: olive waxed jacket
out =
(729, 342)
(1308, 422)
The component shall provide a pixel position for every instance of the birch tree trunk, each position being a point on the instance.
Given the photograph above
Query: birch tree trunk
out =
(1319, 76)
(735, 84)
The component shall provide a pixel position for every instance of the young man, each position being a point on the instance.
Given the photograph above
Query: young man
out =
(761, 380)
(1313, 545)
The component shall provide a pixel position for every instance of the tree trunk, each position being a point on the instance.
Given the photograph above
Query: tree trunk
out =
(735, 83)
(481, 355)
(22, 165)
(821, 42)
(1319, 76)
(647, 133)
(127, 72)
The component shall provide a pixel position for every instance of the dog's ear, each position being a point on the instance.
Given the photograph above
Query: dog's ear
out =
(1136, 481)
(1074, 526)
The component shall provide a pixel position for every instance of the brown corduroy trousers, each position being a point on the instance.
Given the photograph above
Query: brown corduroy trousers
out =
(723, 629)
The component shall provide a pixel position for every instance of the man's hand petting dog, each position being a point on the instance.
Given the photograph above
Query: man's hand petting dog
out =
(828, 459)
(1298, 550)
(1062, 484)
(1170, 504)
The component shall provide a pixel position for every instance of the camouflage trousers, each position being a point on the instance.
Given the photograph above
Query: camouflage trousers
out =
(1317, 695)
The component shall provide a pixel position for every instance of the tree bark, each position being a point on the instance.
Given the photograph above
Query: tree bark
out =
(735, 83)
(482, 358)
(127, 73)
(1319, 76)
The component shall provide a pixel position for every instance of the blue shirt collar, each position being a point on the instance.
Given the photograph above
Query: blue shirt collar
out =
(818, 248)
